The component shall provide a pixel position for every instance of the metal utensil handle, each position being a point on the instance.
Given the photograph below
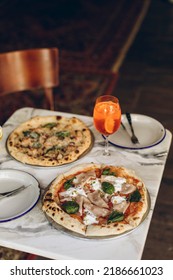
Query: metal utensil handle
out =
(129, 118)
(14, 192)
(130, 121)
(123, 126)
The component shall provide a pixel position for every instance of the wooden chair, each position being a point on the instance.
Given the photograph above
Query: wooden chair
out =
(28, 70)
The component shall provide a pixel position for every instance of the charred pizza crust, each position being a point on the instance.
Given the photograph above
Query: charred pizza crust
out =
(132, 210)
(49, 140)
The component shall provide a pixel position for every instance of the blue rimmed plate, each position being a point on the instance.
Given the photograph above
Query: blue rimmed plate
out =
(15, 206)
(149, 131)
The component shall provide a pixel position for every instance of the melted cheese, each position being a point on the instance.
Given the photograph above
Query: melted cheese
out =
(90, 218)
(96, 185)
(116, 199)
(73, 192)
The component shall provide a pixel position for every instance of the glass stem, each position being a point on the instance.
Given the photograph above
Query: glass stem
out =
(106, 151)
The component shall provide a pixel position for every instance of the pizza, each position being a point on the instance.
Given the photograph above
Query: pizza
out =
(49, 140)
(96, 200)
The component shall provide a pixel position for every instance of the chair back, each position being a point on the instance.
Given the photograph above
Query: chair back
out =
(30, 69)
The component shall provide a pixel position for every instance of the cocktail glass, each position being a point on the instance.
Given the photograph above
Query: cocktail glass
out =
(107, 117)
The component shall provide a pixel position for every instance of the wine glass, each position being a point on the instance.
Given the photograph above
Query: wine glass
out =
(107, 117)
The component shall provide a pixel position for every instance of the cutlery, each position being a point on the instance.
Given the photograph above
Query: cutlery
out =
(13, 192)
(134, 139)
(123, 126)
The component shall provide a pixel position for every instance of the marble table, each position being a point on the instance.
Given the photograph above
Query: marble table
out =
(33, 233)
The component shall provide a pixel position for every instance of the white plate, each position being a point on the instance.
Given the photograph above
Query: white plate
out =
(149, 131)
(17, 205)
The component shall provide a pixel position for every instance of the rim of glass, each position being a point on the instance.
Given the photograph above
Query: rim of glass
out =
(103, 98)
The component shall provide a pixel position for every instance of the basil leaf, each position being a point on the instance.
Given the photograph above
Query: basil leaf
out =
(64, 133)
(135, 196)
(49, 125)
(36, 145)
(70, 207)
(34, 135)
(26, 133)
(108, 187)
(53, 148)
(115, 216)
(108, 172)
(69, 183)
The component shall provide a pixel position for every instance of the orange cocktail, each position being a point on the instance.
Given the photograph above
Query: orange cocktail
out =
(107, 117)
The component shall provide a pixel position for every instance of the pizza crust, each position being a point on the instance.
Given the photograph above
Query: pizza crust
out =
(108, 230)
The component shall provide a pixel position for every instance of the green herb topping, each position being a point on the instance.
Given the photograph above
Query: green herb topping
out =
(108, 172)
(69, 183)
(36, 145)
(32, 134)
(70, 207)
(115, 216)
(50, 125)
(108, 187)
(64, 133)
(135, 196)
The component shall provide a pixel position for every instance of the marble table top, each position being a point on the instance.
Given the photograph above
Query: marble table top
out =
(33, 233)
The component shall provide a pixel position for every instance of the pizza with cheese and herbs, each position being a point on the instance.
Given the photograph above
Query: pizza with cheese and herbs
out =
(49, 140)
(96, 200)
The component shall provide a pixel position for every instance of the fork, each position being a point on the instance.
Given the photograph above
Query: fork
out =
(123, 126)
(134, 139)
(15, 191)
